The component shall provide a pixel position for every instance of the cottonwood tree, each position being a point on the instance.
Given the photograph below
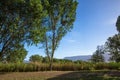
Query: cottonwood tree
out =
(113, 47)
(20, 23)
(61, 15)
(98, 55)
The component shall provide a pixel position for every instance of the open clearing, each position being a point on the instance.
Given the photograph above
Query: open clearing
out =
(61, 75)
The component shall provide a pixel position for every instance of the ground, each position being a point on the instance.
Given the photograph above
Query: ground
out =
(61, 75)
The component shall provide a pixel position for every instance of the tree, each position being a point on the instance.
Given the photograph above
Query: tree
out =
(61, 15)
(36, 58)
(113, 47)
(98, 55)
(20, 22)
(45, 59)
(118, 24)
(17, 55)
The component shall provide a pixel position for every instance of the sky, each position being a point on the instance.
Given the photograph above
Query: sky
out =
(95, 22)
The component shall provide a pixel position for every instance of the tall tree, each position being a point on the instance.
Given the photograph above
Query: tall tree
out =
(113, 47)
(98, 55)
(118, 24)
(61, 15)
(20, 22)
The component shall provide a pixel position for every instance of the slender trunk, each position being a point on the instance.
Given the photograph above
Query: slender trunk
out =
(53, 42)
(51, 64)
(0, 56)
(53, 48)
(51, 61)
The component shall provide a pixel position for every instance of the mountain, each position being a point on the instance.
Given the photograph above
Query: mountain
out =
(86, 57)
(75, 58)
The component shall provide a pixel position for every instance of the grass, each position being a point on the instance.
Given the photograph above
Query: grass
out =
(66, 71)
(33, 67)
(61, 75)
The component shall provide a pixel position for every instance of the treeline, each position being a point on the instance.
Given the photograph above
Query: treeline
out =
(40, 59)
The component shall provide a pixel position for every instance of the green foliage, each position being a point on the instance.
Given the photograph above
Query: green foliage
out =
(45, 60)
(60, 18)
(118, 24)
(20, 23)
(101, 66)
(55, 60)
(113, 47)
(36, 58)
(16, 55)
(98, 55)
(62, 61)
(114, 65)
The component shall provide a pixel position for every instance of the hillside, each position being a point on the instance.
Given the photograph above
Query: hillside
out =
(86, 57)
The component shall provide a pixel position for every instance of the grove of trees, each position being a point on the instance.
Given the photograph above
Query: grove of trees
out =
(43, 22)
(34, 22)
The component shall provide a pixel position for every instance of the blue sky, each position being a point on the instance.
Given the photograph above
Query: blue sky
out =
(95, 22)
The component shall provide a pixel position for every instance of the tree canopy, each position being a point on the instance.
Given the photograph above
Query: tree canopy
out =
(113, 47)
(60, 18)
(16, 55)
(32, 22)
(20, 23)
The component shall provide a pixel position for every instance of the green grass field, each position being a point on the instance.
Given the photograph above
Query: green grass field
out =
(61, 75)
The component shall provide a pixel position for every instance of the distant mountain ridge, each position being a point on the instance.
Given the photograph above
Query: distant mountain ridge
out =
(86, 57)
(82, 57)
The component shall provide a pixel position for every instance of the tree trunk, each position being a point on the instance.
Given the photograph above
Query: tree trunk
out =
(0, 56)
(51, 64)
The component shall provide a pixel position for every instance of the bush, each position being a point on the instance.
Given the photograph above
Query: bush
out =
(114, 66)
(101, 66)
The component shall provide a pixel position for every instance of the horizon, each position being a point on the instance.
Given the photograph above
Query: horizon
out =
(95, 22)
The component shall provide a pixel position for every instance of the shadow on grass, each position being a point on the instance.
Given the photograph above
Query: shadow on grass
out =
(105, 75)
(3, 73)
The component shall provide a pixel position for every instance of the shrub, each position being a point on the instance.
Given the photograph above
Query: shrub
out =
(101, 65)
